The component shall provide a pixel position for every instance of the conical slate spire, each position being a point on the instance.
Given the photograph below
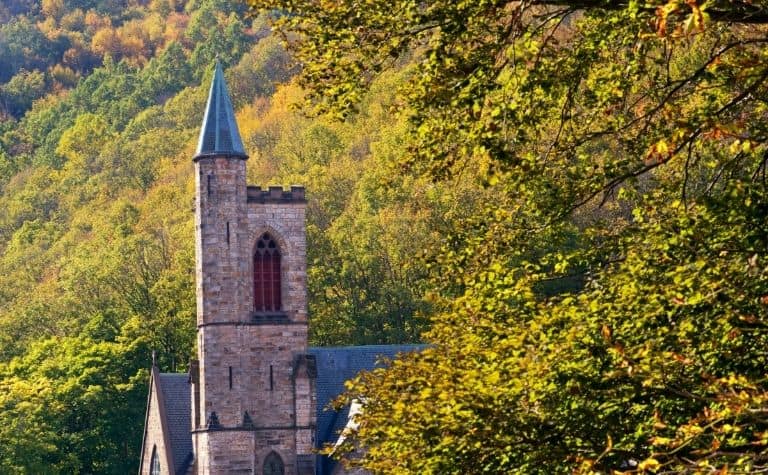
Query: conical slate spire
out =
(219, 134)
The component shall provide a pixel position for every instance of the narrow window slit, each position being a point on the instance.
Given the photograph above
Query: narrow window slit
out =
(271, 379)
(227, 233)
(210, 180)
(230, 377)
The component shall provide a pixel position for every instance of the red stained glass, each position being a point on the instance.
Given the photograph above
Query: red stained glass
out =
(266, 275)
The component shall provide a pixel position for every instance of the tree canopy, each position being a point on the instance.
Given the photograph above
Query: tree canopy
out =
(100, 106)
(606, 309)
(568, 196)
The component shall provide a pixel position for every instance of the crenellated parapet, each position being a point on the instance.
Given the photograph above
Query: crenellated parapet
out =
(276, 194)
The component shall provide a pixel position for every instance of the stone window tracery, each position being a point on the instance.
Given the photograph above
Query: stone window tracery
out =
(266, 275)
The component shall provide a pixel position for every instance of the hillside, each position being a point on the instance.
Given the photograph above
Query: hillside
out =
(101, 105)
(566, 201)
(606, 305)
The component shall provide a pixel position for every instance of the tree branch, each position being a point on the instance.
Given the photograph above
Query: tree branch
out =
(732, 11)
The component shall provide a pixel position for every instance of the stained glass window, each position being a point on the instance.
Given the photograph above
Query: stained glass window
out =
(266, 275)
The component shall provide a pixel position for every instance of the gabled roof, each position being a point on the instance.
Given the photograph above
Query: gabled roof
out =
(169, 400)
(219, 135)
(176, 396)
(335, 365)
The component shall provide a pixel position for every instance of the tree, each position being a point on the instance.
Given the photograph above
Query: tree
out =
(467, 104)
(81, 145)
(69, 406)
(604, 312)
(260, 70)
(169, 72)
(23, 88)
(53, 8)
(23, 45)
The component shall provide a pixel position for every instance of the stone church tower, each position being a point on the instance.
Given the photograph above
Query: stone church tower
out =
(253, 385)
(255, 399)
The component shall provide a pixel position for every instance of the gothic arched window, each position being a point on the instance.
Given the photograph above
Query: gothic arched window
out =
(154, 464)
(266, 275)
(273, 465)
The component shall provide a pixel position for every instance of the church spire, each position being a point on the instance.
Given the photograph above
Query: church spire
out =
(219, 134)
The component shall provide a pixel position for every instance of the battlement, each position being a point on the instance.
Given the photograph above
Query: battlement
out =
(276, 194)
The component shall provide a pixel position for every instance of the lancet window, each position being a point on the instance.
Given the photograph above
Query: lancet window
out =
(273, 465)
(266, 275)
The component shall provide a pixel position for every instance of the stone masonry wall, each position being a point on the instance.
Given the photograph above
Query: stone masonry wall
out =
(246, 451)
(227, 227)
(305, 406)
(285, 221)
(261, 359)
(220, 262)
(246, 360)
(154, 434)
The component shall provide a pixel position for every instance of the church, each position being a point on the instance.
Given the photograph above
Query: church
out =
(255, 401)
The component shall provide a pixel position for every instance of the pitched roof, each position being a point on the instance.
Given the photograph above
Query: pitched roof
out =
(219, 134)
(176, 396)
(335, 365)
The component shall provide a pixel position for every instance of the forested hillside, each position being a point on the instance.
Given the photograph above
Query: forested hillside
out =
(100, 106)
(568, 197)
(607, 308)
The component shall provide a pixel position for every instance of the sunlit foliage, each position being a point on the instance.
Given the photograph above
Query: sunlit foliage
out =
(605, 310)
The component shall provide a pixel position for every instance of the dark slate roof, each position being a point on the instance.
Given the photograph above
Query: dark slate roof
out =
(335, 365)
(219, 134)
(176, 396)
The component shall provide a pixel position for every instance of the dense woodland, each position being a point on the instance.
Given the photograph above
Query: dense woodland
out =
(605, 310)
(566, 200)
(101, 103)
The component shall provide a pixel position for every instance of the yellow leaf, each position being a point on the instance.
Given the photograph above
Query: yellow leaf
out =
(606, 331)
(649, 464)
